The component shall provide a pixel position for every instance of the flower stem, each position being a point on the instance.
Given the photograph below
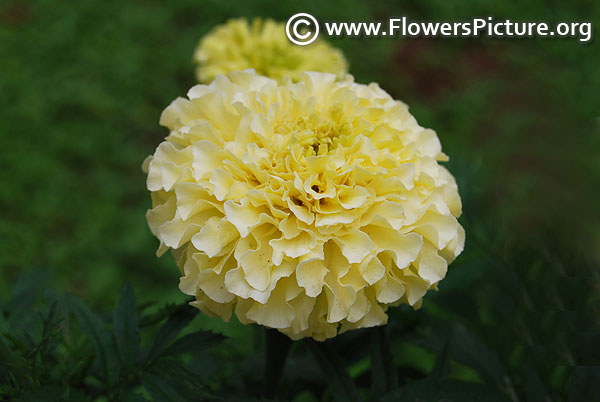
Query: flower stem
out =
(278, 347)
(341, 384)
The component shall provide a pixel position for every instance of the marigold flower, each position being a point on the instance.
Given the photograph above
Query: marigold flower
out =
(309, 207)
(263, 46)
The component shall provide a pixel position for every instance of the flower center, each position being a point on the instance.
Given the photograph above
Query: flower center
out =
(317, 135)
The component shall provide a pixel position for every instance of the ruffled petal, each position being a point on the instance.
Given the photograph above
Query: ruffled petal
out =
(309, 205)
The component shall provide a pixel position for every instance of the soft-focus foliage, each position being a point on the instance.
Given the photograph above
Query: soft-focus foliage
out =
(66, 352)
(82, 84)
(262, 45)
(302, 206)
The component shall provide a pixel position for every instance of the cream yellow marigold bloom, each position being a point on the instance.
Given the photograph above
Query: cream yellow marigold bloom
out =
(309, 207)
(263, 46)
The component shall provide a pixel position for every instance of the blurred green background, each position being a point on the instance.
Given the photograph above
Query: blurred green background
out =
(83, 83)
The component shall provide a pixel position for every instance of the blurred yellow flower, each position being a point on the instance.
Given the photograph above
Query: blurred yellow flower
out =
(310, 207)
(263, 46)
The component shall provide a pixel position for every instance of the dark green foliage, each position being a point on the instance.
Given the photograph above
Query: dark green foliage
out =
(100, 336)
(176, 322)
(68, 352)
(383, 372)
(126, 328)
(342, 387)
(62, 350)
(447, 391)
(160, 390)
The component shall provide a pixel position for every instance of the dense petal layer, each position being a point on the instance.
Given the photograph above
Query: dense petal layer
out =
(263, 46)
(308, 206)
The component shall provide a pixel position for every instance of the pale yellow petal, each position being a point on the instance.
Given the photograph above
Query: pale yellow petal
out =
(405, 247)
(311, 276)
(310, 203)
(355, 246)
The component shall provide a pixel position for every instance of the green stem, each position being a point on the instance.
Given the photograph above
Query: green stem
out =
(278, 347)
(342, 387)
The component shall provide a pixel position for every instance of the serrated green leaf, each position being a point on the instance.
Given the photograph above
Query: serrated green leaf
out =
(126, 328)
(342, 387)
(160, 390)
(181, 377)
(161, 314)
(168, 332)
(100, 336)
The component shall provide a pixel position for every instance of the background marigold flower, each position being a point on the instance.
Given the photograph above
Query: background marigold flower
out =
(263, 46)
(309, 207)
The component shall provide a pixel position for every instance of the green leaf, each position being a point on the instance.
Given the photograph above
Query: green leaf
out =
(126, 328)
(100, 336)
(342, 387)
(160, 390)
(384, 376)
(180, 377)
(441, 369)
(4, 324)
(193, 342)
(161, 314)
(170, 329)
(8, 357)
